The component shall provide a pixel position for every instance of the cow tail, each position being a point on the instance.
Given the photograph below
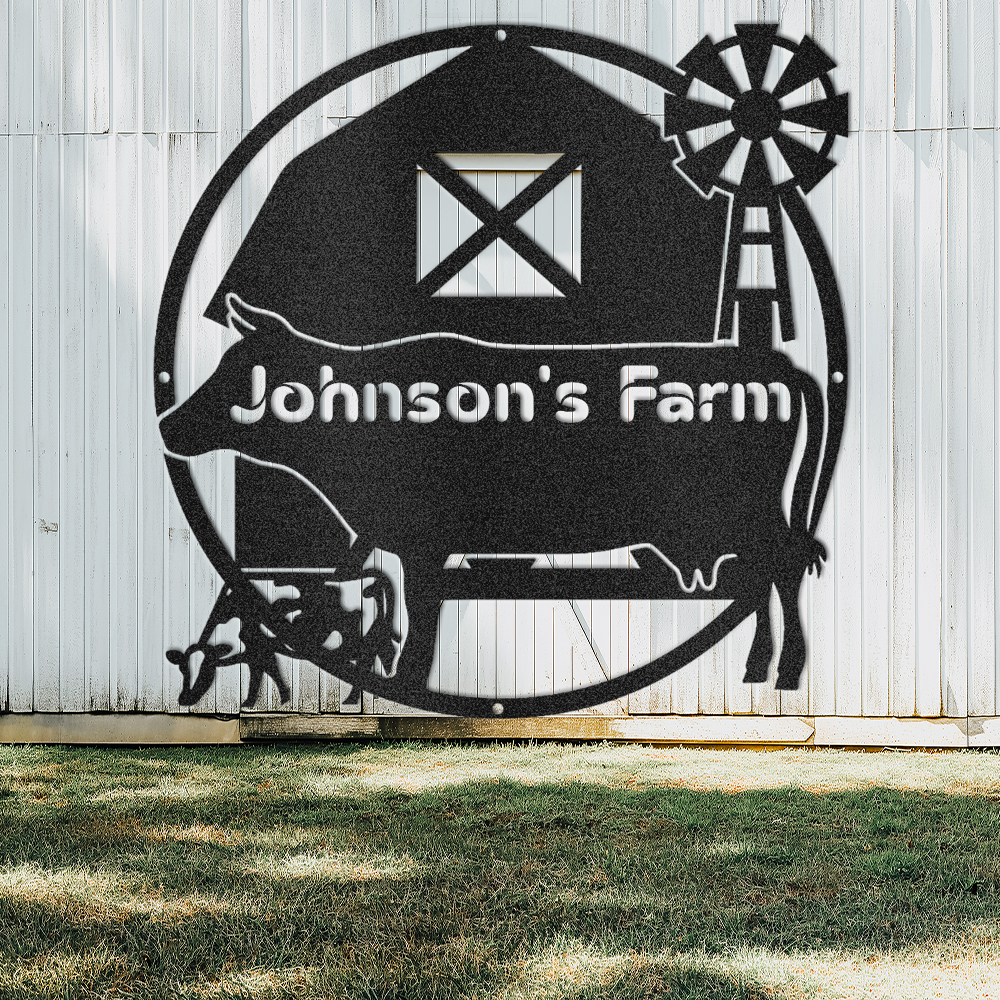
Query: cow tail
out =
(806, 485)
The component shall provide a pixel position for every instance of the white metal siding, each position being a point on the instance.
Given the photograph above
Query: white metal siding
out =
(114, 118)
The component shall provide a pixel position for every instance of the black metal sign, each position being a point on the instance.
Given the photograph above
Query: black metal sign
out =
(398, 446)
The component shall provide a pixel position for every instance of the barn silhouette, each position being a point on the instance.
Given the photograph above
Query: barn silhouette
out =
(333, 249)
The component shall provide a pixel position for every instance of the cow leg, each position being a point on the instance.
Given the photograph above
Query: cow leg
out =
(762, 649)
(793, 648)
(260, 657)
(417, 655)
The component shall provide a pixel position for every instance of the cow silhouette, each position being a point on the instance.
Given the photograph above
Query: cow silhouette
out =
(435, 445)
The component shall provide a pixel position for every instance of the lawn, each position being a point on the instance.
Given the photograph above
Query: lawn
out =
(419, 870)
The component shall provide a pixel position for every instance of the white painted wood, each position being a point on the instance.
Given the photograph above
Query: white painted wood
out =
(45, 403)
(876, 454)
(959, 51)
(126, 378)
(903, 157)
(468, 648)
(487, 665)
(545, 644)
(5, 441)
(98, 396)
(848, 30)
(20, 76)
(713, 729)
(890, 732)
(4, 78)
(178, 59)
(19, 418)
(981, 57)
(984, 732)
(930, 65)
(46, 67)
(841, 691)
(125, 66)
(955, 635)
(230, 73)
(930, 431)
(205, 16)
(444, 673)
(877, 43)
(72, 422)
(98, 66)
(905, 68)
(153, 83)
(981, 402)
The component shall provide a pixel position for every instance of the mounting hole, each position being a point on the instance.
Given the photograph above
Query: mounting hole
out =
(838, 376)
(497, 708)
(501, 37)
(164, 377)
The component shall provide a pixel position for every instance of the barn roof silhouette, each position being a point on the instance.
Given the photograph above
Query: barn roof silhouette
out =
(334, 247)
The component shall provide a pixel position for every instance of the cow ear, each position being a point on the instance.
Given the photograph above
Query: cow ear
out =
(249, 321)
(240, 317)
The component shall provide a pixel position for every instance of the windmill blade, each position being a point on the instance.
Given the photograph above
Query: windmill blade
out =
(828, 115)
(808, 167)
(808, 63)
(703, 168)
(705, 64)
(756, 41)
(682, 115)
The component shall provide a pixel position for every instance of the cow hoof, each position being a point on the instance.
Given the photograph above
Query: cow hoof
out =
(756, 672)
(789, 682)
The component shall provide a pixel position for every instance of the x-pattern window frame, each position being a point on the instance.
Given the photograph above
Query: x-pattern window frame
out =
(499, 223)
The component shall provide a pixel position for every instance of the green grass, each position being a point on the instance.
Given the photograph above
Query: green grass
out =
(430, 870)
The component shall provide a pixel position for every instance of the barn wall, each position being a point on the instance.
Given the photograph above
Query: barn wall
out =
(114, 119)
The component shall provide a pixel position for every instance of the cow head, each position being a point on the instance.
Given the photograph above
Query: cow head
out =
(223, 412)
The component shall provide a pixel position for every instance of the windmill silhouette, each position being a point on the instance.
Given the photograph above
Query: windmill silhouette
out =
(755, 117)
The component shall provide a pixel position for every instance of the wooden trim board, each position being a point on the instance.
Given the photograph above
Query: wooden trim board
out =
(729, 730)
(666, 729)
(160, 729)
(122, 729)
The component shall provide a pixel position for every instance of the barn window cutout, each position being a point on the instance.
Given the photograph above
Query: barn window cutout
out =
(468, 245)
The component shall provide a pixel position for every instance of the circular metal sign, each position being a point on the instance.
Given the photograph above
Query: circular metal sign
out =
(410, 427)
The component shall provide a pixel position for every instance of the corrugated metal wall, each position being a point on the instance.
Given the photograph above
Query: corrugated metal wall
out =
(113, 120)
